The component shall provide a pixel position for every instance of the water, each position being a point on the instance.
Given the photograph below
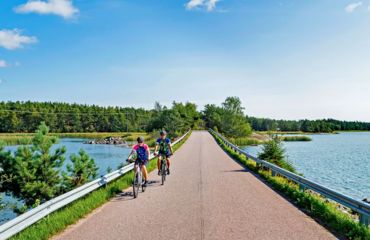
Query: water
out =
(338, 161)
(104, 155)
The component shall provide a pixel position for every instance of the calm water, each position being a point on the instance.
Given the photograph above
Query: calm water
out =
(104, 155)
(338, 161)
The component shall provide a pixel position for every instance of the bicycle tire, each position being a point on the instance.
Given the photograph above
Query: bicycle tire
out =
(143, 188)
(135, 186)
(163, 172)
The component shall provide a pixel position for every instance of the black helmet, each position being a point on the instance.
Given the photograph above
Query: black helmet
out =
(140, 139)
(163, 132)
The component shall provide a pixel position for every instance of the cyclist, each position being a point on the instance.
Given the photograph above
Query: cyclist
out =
(163, 148)
(142, 156)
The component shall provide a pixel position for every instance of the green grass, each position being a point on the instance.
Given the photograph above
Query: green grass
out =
(15, 140)
(315, 205)
(25, 138)
(59, 220)
(246, 141)
(296, 138)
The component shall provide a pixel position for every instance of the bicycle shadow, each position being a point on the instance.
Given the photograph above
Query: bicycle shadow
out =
(129, 195)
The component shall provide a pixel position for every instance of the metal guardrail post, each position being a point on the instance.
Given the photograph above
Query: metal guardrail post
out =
(273, 173)
(365, 220)
(302, 187)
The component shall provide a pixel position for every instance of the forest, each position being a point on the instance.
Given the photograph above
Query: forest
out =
(25, 117)
(311, 126)
(229, 118)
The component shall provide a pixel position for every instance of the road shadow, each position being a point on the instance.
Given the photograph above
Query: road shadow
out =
(128, 194)
(236, 170)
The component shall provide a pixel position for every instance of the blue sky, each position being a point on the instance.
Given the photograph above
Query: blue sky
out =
(284, 59)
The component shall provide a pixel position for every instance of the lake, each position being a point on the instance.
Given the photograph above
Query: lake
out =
(338, 161)
(105, 156)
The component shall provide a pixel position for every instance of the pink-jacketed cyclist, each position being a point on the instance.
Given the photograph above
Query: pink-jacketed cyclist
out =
(142, 152)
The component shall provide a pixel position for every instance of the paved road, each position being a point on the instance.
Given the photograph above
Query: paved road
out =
(207, 196)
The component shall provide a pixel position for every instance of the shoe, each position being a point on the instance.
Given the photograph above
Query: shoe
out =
(145, 183)
(168, 171)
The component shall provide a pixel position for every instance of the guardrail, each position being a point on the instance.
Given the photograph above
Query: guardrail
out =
(362, 208)
(25, 220)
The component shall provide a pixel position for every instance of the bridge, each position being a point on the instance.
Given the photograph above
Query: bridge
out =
(207, 196)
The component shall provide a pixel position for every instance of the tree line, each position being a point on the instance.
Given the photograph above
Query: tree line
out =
(64, 117)
(229, 118)
(312, 126)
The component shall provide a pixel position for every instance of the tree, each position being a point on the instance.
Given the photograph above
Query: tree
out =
(34, 169)
(82, 170)
(233, 105)
(228, 119)
(273, 151)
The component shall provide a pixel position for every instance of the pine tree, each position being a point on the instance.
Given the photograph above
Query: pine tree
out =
(34, 169)
(82, 170)
(273, 151)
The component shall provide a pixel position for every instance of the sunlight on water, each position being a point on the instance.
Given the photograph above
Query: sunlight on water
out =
(338, 161)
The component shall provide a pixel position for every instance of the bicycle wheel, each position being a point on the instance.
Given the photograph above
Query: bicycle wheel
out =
(163, 172)
(136, 185)
(143, 186)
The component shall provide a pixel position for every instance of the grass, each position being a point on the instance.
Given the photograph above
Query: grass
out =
(244, 141)
(9, 140)
(254, 139)
(101, 135)
(315, 205)
(296, 138)
(24, 138)
(293, 132)
(59, 220)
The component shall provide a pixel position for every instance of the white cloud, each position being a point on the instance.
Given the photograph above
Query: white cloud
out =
(13, 39)
(3, 64)
(209, 5)
(62, 8)
(352, 7)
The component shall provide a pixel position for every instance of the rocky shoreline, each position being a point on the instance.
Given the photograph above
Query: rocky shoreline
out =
(109, 141)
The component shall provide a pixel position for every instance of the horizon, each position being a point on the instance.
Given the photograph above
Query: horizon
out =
(285, 60)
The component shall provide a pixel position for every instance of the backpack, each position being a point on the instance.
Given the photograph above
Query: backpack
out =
(163, 146)
(141, 153)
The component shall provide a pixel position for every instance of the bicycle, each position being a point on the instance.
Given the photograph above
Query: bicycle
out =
(163, 168)
(138, 180)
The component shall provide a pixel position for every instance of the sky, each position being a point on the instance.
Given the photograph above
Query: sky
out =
(284, 59)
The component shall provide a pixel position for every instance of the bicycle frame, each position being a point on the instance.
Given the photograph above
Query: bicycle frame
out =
(163, 167)
(138, 180)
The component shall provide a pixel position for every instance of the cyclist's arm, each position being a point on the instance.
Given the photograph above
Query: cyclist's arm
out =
(129, 156)
(156, 147)
(170, 146)
(148, 152)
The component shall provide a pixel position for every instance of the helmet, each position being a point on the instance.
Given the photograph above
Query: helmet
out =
(163, 132)
(140, 139)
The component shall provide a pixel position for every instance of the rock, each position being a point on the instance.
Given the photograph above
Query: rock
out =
(109, 141)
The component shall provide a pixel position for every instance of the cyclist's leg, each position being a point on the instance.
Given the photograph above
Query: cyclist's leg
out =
(168, 164)
(168, 161)
(159, 162)
(144, 171)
